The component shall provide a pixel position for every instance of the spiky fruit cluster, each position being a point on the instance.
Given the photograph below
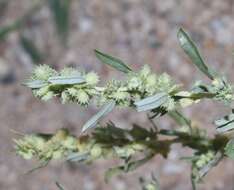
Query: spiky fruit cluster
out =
(223, 90)
(76, 86)
(62, 145)
(46, 147)
(70, 84)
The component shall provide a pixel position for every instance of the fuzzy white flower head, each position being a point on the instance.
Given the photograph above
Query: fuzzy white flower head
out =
(151, 80)
(120, 95)
(164, 78)
(29, 145)
(134, 83)
(72, 91)
(170, 104)
(42, 91)
(145, 71)
(65, 97)
(91, 78)
(43, 72)
(82, 97)
(49, 95)
(69, 71)
(70, 143)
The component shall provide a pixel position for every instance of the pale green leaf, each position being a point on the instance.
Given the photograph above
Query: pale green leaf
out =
(151, 102)
(180, 118)
(91, 123)
(35, 84)
(113, 62)
(66, 80)
(225, 124)
(191, 50)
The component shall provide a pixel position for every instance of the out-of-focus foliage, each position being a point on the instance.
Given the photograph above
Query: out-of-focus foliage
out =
(61, 15)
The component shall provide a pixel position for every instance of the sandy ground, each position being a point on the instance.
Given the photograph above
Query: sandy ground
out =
(138, 31)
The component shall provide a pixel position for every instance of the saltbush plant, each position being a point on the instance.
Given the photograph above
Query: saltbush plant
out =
(144, 91)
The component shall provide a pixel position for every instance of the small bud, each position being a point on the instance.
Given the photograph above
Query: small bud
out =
(61, 135)
(48, 96)
(70, 143)
(134, 83)
(170, 104)
(200, 163)
(150, 187)
(96, 151)
(92, 78)
(69, 71)
(42, 91)
(58, 154)
(82, 97)
(145, 71)
(120, 95)
(151, 80)
(43, 72)
(65, 97)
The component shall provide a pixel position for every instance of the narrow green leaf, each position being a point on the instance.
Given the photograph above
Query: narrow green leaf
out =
(180, 118)
(151, 102)
(61, 14)
(66, 80)
(35, 84)
(113, 62)
(229, 149)
(91, 123)
(31, 49)
(193, 53)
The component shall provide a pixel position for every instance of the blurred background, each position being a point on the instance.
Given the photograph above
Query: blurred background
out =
(65, 32)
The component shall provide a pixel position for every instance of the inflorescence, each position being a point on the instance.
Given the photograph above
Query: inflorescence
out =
(144, 91)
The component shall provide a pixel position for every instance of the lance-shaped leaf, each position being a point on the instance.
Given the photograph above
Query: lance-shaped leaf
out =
(229, 149)
(102, 113)
(113, 62)
(180, 118)
(193, 53)
(151, 102)
(35, 84)
(66, 80)
(225, 124)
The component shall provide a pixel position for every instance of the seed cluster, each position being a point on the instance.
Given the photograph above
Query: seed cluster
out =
(138, 85)
(114, 143)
